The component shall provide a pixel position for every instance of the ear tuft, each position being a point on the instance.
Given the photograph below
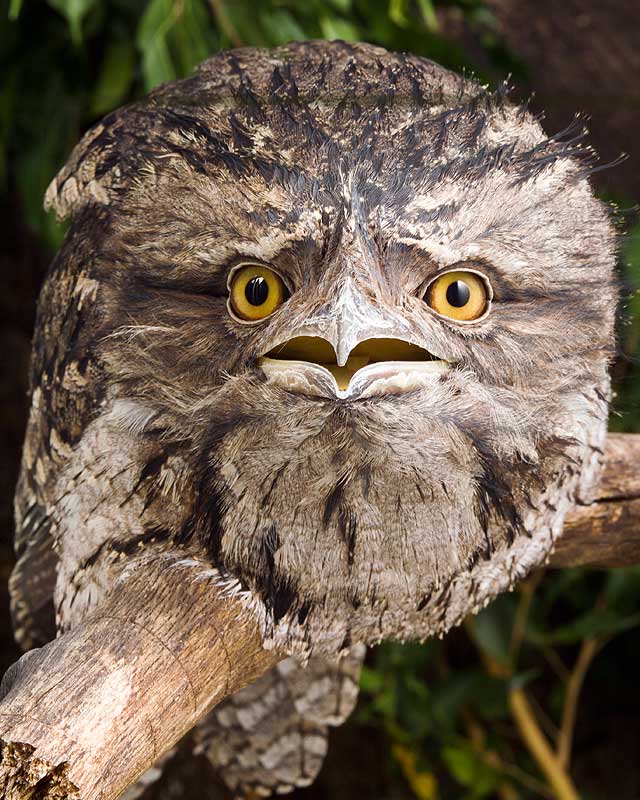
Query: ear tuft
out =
(84, 179)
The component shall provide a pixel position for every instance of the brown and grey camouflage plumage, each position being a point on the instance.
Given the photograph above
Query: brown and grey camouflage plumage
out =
(272, 736)
(359, 175)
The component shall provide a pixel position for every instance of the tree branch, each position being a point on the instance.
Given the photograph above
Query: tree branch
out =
(588, 650)
(88, 713)
(606, 533)
(559, 779)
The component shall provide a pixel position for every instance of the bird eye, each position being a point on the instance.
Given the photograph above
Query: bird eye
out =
(255, 292)
(459, 295)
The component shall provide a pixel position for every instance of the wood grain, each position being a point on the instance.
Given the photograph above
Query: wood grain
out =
(606, 533)
(88, 713)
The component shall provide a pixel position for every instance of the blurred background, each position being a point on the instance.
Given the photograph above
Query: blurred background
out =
(434, 720)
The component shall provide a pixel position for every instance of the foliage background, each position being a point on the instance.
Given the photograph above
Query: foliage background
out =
(562, 654)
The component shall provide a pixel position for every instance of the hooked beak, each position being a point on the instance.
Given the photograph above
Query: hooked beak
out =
(375, 366)
(352, 347)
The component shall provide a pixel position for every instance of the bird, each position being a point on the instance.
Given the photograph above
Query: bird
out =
(337, 321)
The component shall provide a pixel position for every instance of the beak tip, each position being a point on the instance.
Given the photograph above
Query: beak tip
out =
(343, 350)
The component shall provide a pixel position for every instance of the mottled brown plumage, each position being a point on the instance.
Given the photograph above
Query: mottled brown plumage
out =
(391, 511)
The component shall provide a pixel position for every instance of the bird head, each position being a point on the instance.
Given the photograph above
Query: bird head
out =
(370, 304)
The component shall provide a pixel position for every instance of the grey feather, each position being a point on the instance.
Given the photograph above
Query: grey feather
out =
(390, 511)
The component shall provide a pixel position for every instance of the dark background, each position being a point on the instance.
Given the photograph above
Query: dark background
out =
(434, 720)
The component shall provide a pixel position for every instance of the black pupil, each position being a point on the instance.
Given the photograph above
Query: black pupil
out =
(458, 294)
(257, 291)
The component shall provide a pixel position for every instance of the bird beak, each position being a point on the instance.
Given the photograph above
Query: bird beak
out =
(314, 350)
(351, 348)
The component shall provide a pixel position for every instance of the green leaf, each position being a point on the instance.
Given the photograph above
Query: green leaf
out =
(491, 629)
(385, 704)
(625, 416)
(239, 21)
(569, 583)
(599, 622)
(450, 697)
(338, 28)
(622, 590)
(429, 16)
(14, 9)
(74, 11)
(342, 5)
(631, 252)
(469, 770)
(490, 698)
(371, 681)
(35, 168)
(115, 76)
(398, 13)
(281, 27)
(192, 38)
(154, 27)
(54, 230)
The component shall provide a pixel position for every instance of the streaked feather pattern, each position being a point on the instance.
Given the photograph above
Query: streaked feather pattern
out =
(358, 175)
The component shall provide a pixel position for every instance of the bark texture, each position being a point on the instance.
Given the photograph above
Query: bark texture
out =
(85, 715)
(607, 532)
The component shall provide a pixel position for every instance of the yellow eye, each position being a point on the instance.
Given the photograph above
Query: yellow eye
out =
(256, 292)
(460, 295)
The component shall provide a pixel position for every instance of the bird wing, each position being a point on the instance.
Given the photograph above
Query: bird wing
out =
(65, 383)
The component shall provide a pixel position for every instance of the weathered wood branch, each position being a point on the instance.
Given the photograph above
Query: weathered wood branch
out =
(84, 716)
(606, 533)
(88, 713)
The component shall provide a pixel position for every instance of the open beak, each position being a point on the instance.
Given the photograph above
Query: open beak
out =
(352, 347)
(375, 366)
